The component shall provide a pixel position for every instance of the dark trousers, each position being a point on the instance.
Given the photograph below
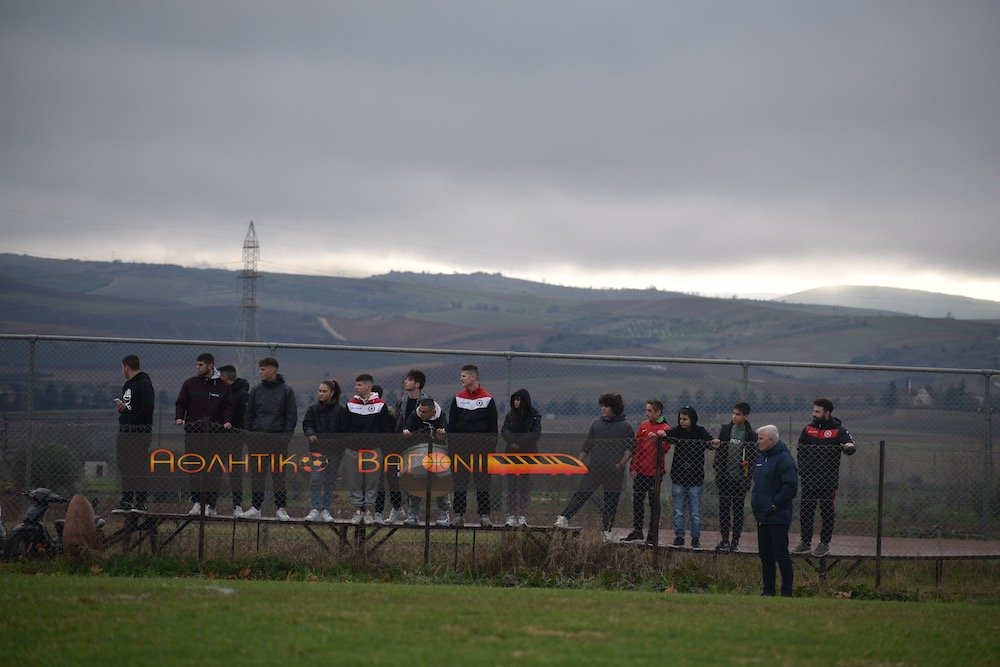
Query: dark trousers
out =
(475, 453)
(275, 445)
(825, 498)
(233, 454)
(389, 479)
(204, 485)
(643, 489)
(608, 478)
(732, 496)
(132, 457)
(772, 546)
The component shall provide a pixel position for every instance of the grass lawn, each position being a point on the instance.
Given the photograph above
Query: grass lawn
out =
(83, 620)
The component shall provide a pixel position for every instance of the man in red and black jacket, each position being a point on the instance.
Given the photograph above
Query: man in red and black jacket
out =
(472, 433)
(821, 444)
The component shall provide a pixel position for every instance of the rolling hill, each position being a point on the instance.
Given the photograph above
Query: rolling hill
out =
(473, 311)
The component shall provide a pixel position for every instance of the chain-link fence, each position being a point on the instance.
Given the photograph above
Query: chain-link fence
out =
(59, 429)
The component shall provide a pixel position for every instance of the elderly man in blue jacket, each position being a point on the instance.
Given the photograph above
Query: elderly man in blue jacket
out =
(775, 483)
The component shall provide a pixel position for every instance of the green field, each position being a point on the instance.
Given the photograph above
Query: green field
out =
(83, 620)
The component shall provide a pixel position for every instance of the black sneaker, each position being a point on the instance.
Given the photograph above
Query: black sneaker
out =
(139, 508)
(734, 546)
(722, 546)
(695, 544)
(124, 506)
(634, 536)
(678, 542)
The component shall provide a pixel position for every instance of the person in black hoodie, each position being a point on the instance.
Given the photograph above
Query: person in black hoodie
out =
(775, 483)
(522, 427)
(687, 473)
(232, 450)
(135, 433)
(820, 446)
(271, 418)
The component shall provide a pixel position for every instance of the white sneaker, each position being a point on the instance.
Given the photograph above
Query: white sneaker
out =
(396, 516)
(313, 515)
(237, 511)
(608, 536)
(282, 515)
(377, 518)
(511, 521)
(252, 513)
(561, 522)
(369, 518)
(210, 511)
(485, 522)
(357, 518)
(444, 519)
(411, 519)
(522, 520)
(195, 510)
(325, 516)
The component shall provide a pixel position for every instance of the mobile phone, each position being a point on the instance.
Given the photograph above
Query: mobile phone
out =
(119, 401)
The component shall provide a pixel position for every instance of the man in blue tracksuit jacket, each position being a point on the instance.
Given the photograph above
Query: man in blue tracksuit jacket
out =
(775, 483)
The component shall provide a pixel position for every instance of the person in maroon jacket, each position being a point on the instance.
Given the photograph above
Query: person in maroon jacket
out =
(204, 408)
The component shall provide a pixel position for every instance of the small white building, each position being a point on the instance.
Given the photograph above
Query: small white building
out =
(95, 469)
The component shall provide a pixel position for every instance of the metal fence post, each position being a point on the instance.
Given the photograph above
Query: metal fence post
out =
(878, 528)
(987, 456)
(29, 446)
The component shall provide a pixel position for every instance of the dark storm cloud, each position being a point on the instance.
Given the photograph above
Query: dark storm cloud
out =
(585, 128)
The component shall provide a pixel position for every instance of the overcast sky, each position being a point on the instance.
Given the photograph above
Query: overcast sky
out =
(721, 147)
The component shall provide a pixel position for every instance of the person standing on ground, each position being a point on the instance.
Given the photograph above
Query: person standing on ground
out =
(236, 462)
(522, 427)
(204, 408)
(735, 451)
(607, 449)
(472, 434)
(821, 444)
(271, 418)
(647, 465)
(687, 473)
(321, 423)
(135, 434)
(775, 483)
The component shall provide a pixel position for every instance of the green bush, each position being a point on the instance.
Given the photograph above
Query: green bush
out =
(52, 465)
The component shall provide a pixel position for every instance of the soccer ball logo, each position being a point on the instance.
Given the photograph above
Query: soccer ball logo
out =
(313, 462)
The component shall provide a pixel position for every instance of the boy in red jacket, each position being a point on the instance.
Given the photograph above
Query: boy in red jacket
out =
(649, 446)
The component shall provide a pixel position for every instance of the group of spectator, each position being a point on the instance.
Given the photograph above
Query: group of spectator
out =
(215, 401)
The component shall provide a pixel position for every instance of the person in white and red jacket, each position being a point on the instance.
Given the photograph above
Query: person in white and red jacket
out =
(472, 429)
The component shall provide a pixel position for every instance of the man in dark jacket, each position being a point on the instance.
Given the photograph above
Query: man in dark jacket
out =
(609, 445)
(820, 446)
(687, 473)
(736, 448)
(775, 483)
(232, 454)
(135, 433)
(203, 407)
(270, 422)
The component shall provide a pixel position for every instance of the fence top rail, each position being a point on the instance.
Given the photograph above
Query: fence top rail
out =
(987, 372)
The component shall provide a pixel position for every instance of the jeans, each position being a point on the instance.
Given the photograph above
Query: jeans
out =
(321, 482)
(687, 498)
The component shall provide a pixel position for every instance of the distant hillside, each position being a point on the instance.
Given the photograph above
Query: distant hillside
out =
(895, 300)
(471, 311)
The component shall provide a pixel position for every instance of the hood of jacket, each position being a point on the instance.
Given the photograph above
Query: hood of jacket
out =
(525, 397)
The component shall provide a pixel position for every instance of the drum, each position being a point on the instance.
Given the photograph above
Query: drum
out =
(418, 466)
